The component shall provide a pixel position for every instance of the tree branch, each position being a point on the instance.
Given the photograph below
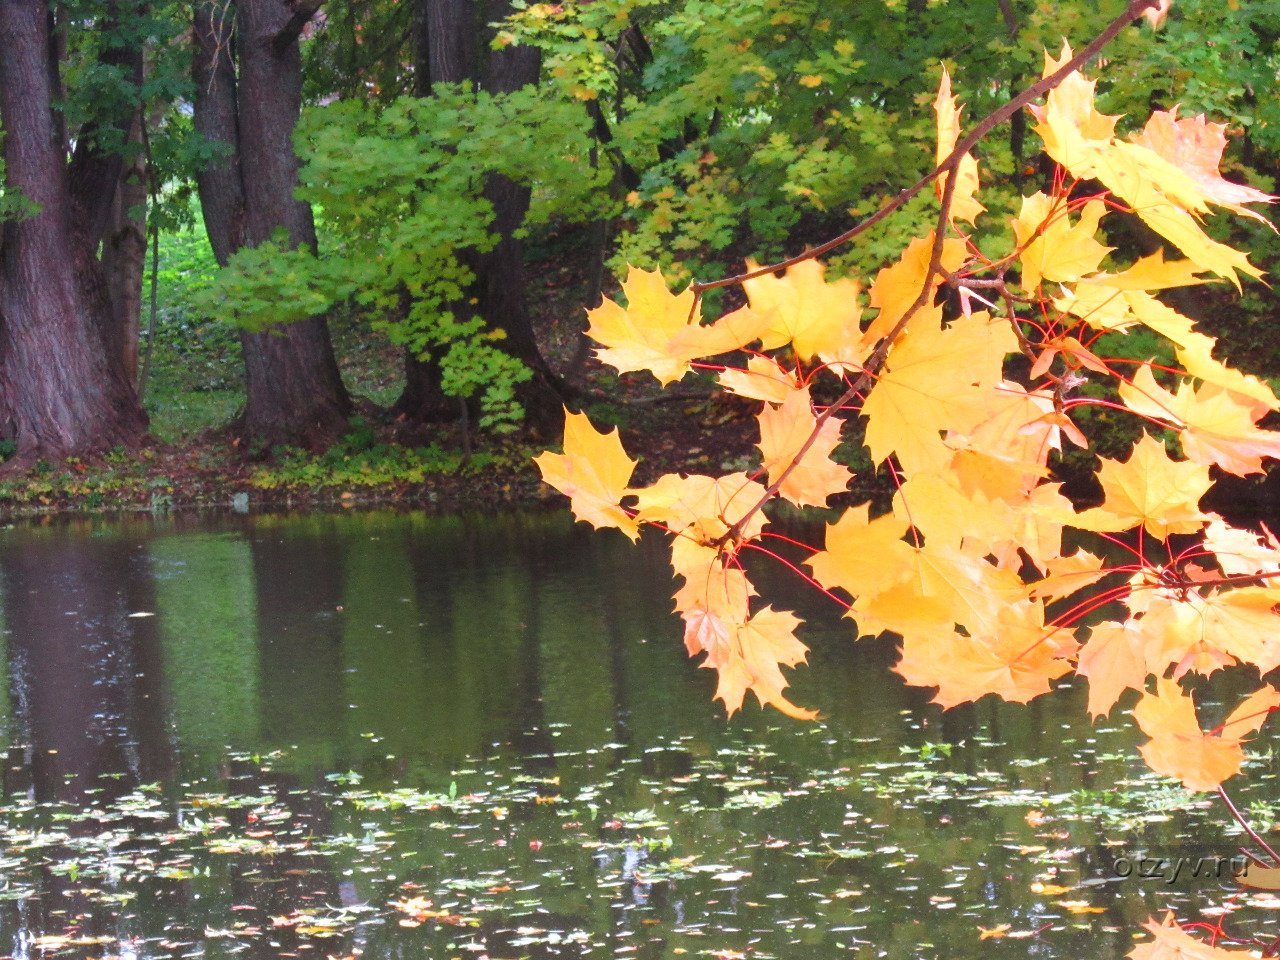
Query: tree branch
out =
(966, 143)
(301, 13)
(963, 146)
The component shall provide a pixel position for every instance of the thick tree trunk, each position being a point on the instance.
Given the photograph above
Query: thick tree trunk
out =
(444, 34)
(124, 257)
(61, 390)
(294, 391)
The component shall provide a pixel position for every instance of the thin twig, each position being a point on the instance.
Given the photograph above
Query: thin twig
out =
(1248, 828)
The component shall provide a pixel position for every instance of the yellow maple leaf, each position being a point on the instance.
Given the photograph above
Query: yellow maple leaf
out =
(945, 514)
(812, 476)
(1241, 551)
(1216, 430)
(898, 285)
(1203, 632)
(1016, 662)
(1006, 453)
(1150, 489)
(702, 508)
(656, 332)
(804, 309)
(1152, 273)
(593, 472)
(1063, 576)
(1167, 196)
(943, 587)
(964, 203)
(863, 556)
(935, 379)
(763, 379)
(1179, 748)
(1060, 251)
(709, 584)
(1130, 171)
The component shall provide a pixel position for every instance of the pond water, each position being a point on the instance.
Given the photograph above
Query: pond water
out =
(395, 735)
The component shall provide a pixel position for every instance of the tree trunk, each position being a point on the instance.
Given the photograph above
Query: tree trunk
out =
(503, 285)
(61, 390)
(124, 257)
(294, 391)
(444, 52)
(448, 28)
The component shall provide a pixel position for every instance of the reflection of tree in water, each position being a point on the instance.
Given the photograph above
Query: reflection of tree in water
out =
(298, 573)
(85, 677)
(86, 693)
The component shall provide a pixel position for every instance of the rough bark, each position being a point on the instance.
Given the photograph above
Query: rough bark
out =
(62, 391)
(294, 391)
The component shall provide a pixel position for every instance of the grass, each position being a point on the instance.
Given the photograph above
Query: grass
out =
(180, 416)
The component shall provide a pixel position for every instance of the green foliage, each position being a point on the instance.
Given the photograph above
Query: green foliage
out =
(402, 190)
(753, 128)
(14, 204)
(360, 460)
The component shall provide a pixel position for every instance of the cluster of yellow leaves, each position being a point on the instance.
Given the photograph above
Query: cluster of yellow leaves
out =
(968, 412)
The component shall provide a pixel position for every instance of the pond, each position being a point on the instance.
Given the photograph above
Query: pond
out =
(396, 735)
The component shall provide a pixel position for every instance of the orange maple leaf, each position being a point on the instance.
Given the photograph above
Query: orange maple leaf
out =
(593, 472)
(1179, 748)
(812, 476)
(1171, 942)
(749, 655)
(1195, 146)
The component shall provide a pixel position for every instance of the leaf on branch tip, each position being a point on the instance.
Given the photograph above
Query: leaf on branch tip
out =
(1179, 748)
(593, 472)
(657, 331)
(964, 203)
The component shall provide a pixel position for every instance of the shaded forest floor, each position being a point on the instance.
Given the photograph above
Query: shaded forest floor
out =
(195, 458)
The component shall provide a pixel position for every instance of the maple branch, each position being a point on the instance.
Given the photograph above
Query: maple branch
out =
(963, 146)
(1240, 819)
(948, 166)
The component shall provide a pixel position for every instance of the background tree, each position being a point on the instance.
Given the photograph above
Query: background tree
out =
(64, 384)
(248, 75)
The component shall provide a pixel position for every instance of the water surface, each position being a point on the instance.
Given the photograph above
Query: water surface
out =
(388, 734)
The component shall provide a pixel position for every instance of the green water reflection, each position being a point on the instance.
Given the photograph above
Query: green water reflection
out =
(209, 719)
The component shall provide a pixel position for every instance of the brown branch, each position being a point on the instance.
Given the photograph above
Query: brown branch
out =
(963, 146)
(1253, 834)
